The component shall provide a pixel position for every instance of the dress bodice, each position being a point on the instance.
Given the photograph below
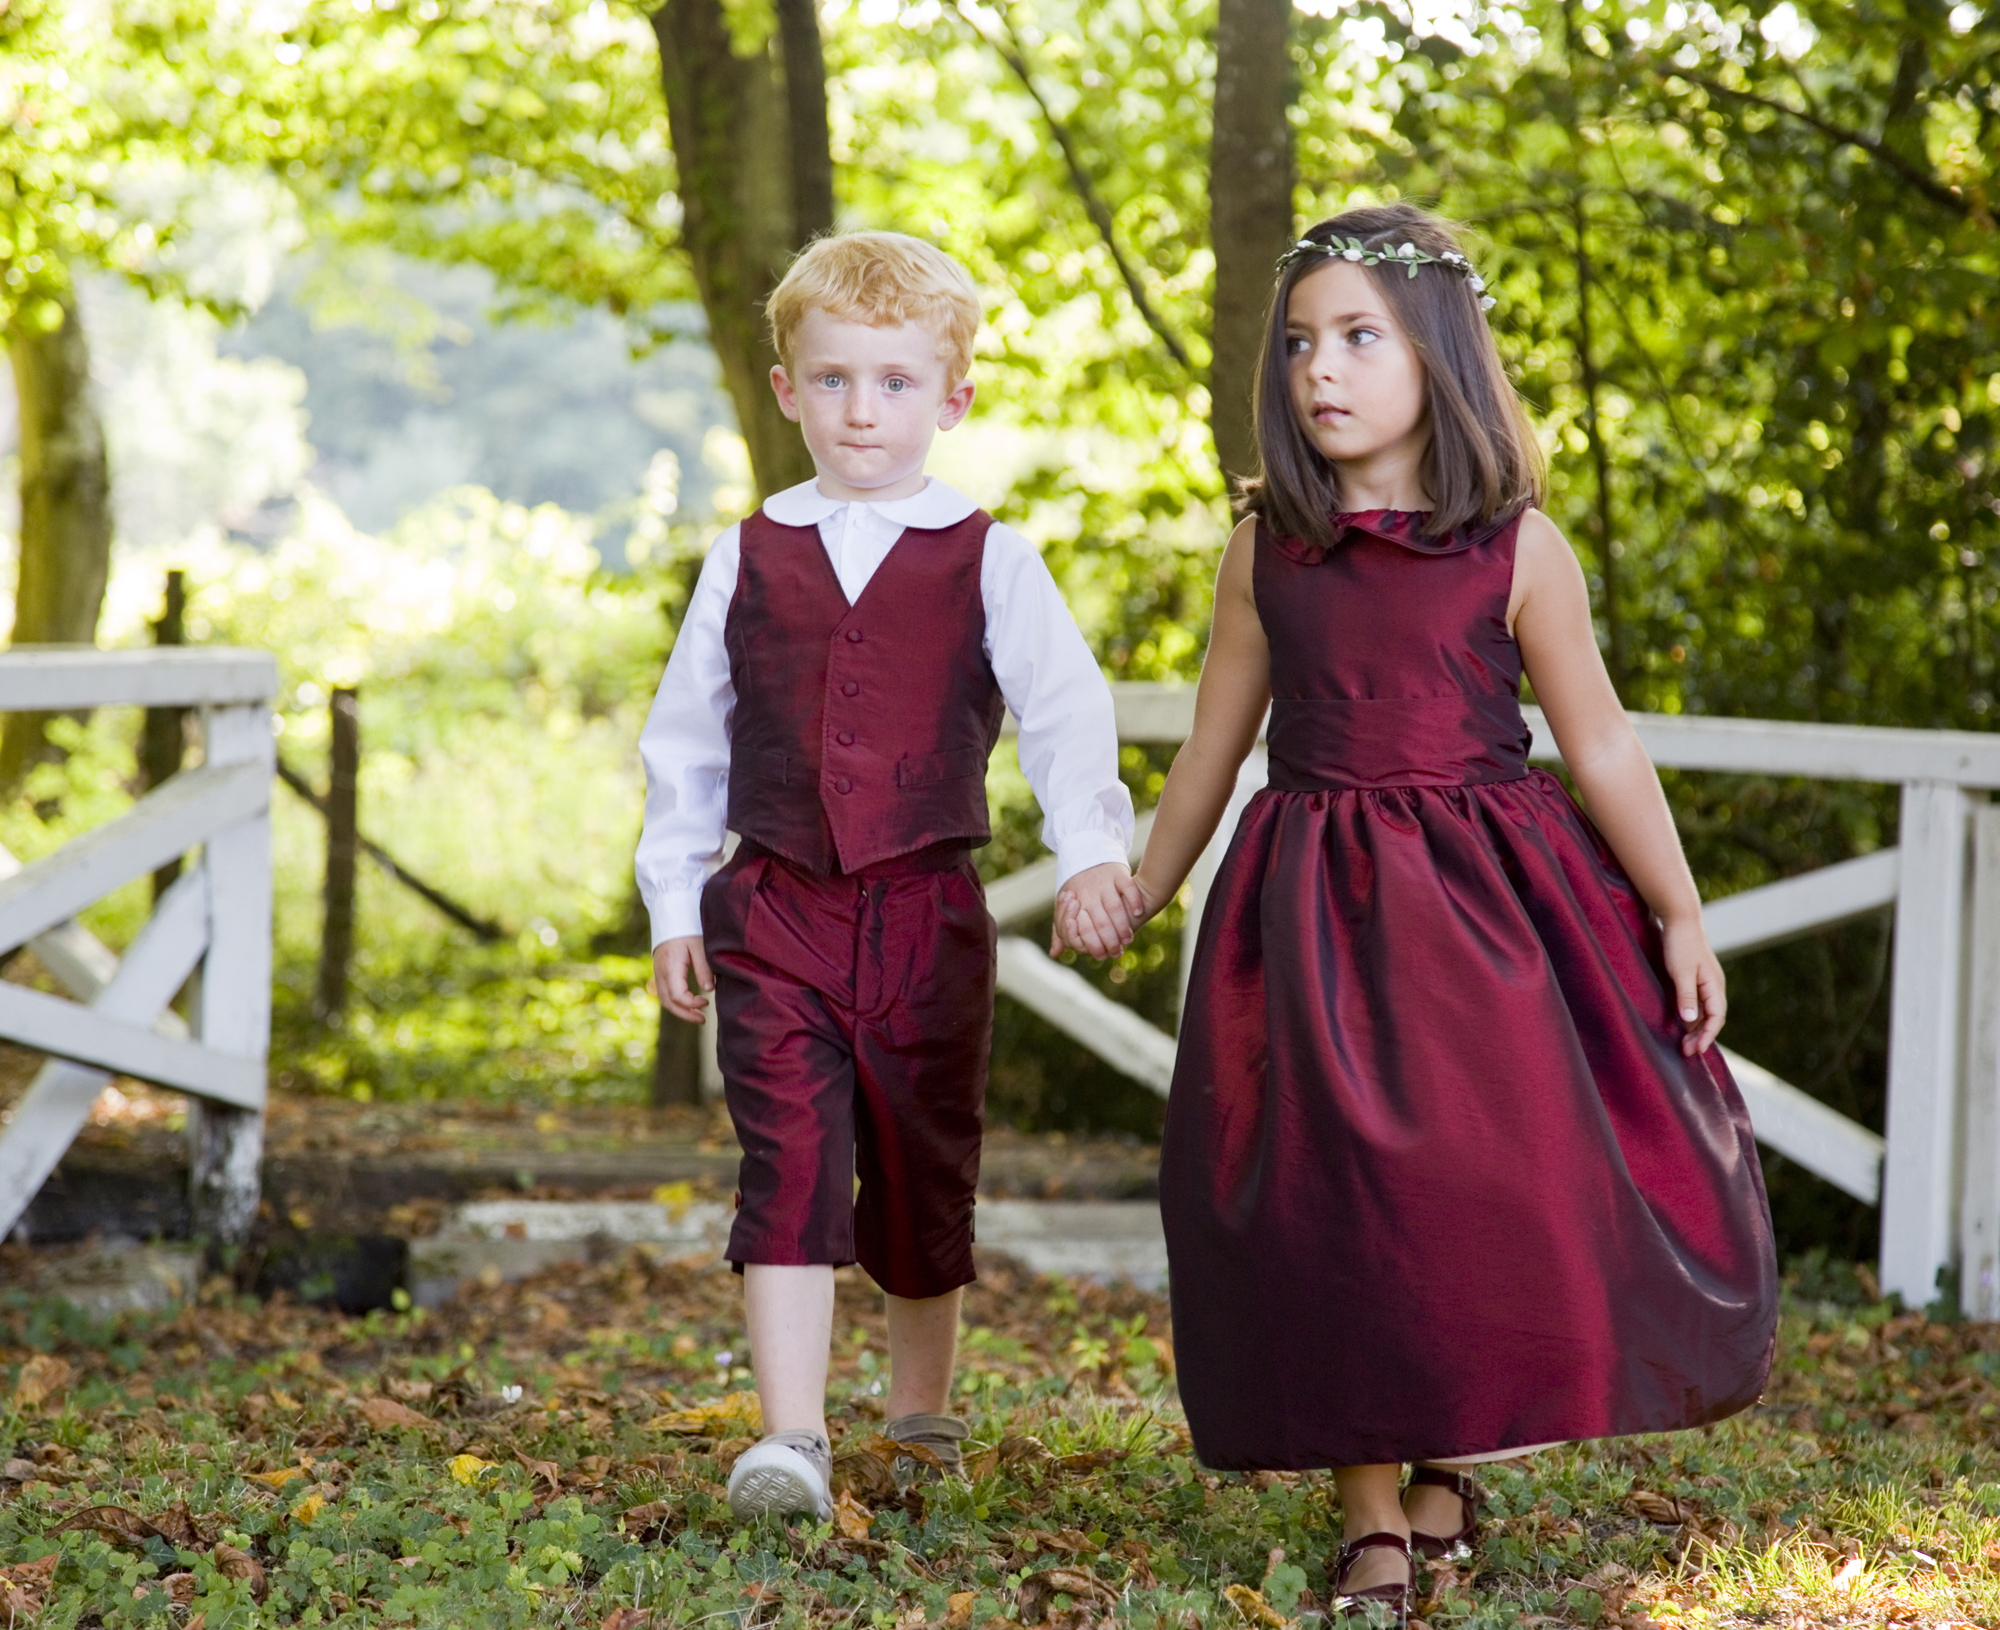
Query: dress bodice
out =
(1391, 662)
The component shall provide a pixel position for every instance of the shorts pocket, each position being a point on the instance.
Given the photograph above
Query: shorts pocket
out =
(954, 764)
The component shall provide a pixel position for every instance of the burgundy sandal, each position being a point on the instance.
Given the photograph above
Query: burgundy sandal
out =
(1436, 1547)
(1354, 1604)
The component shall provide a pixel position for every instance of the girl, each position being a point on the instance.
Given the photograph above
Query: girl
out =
(1451, 1169)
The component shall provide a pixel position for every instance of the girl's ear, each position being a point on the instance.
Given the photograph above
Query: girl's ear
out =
(956, 405)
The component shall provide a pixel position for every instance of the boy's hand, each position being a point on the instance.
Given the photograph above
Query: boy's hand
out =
(673, 961)
(1091, 913)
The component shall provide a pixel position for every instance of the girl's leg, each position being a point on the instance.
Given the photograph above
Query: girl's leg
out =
(1369, 1505)
(790, 1314)
(1433, 1509)
(923, 1350)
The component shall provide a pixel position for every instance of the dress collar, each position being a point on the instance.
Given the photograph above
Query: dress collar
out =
(934, 507)
(1398, 526)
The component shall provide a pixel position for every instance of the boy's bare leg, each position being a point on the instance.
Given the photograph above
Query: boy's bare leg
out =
(790, 1315)
(923, 1352)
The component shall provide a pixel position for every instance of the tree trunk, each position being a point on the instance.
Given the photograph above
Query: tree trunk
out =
(677, 1062)
(755, 182)
(65, 512)
(1250, 208)
(163, 740)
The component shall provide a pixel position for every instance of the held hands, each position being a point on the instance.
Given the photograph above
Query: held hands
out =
(1098, 911)
(673, 961)
(1698, 986)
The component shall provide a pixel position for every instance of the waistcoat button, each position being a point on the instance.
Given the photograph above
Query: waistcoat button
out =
(850, 689)
(843, 785)
(854, 636)
(845, 738)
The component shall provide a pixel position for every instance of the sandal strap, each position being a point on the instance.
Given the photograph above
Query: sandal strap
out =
(1443, 1477)
(1350, 1553)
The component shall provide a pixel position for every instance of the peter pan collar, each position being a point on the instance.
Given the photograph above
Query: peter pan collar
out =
(935, 507)
(1398, 526)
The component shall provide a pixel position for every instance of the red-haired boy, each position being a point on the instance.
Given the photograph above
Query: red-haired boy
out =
(835, 690)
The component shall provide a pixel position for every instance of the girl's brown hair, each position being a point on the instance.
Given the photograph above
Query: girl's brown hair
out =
(1483, 461)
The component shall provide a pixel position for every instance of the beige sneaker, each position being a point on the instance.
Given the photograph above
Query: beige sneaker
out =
(783, 1474)
(940, 1434)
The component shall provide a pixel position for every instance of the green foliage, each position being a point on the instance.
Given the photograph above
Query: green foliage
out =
(536, 1482)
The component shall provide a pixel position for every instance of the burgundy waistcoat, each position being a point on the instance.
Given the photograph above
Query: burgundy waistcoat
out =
(860, 732)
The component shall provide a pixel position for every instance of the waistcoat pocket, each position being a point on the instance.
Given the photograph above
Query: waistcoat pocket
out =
(954, 764)
(767, 765)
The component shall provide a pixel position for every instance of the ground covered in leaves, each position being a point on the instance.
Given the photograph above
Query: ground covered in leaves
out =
(553, 1452)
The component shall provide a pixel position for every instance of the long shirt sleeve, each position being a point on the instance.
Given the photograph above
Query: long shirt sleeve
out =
(1047, 676)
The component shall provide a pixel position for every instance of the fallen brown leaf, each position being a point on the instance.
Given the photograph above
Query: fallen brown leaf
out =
(1656, 1508)
(42, 1378)
(1042, 1586)
(866, 1469)
(385, 1414)
(1253, 1607)
(234, 1564)
(112, 1522)
(627, 1618)
(958, 1610)
(23, 1586)
(642, 1520)
(851, 1519)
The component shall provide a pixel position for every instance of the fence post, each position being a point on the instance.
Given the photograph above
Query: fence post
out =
(336, 945)
(233, 1006)
(1979, 1208)
(163, 743)
(1926, 1037)
(677, 1062)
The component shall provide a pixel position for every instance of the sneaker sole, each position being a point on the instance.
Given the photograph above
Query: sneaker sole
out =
(772, 1491)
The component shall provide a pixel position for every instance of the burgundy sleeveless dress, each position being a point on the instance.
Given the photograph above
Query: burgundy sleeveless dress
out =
(1436, 1178)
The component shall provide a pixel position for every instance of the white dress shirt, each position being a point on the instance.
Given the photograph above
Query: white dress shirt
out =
(1069, 736)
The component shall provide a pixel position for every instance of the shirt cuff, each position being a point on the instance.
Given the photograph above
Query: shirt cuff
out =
(1082, 850)
(675, 914)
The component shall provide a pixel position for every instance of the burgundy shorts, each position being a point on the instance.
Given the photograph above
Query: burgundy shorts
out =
(856, 1016)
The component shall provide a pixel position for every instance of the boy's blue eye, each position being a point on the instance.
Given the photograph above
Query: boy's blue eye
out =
(895, 385)
(832, 381)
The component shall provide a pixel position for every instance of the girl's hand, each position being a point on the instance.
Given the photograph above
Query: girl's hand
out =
(1698, 985)
(1140, 901)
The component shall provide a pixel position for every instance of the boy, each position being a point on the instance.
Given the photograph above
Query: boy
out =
(836, 687)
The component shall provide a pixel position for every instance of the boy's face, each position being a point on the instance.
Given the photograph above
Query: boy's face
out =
(869, 401)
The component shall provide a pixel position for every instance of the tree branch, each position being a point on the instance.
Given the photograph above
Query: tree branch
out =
(1924, 182)
(479, 926)
(1093, 203)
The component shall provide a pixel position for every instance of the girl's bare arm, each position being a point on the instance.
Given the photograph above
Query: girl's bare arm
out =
(1550, 616)
(1228, 707)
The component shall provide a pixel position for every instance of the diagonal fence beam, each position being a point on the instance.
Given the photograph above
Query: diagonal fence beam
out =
(51, 1113)
(162, 826)
(50, 1025)
(1084, 1013)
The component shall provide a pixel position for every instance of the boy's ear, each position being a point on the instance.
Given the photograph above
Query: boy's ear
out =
(788, 398)
(956, 405)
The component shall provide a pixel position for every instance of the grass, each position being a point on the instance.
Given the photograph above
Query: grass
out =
(553, 1453)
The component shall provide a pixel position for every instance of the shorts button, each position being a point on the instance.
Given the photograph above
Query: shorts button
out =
(843, 785)
(850, 689)
(854, 636)
(845, 738)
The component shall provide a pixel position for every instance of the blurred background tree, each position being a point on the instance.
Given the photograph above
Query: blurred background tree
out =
(1746, 268)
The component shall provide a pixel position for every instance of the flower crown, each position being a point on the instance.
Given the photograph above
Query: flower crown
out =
(1408, 255)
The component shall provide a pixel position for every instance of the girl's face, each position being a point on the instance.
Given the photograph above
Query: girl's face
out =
(1357, 383)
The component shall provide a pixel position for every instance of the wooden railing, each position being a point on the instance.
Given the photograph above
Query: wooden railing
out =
(210, 929)
(1936, 1176)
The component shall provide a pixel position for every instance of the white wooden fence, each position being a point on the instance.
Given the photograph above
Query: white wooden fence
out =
(1936, 1177)
(212, 925)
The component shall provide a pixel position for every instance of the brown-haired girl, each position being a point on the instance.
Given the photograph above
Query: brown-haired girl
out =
(1451, 1169)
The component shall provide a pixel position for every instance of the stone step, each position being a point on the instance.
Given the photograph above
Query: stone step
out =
(511, 1239)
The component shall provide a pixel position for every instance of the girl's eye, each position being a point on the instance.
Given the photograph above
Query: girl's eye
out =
(1297, 345)
(1363, 336)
